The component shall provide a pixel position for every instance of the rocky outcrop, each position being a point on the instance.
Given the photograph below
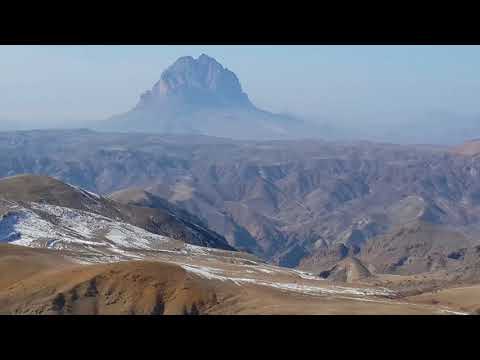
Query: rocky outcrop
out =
(200, 96)
(199, 82)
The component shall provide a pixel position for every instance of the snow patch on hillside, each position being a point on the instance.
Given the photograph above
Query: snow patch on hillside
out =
(58, 227)
(96, 238)
(87, 193)
(321, 289)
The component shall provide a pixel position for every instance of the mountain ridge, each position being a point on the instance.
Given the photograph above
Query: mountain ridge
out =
(282, 200)
(44, 200)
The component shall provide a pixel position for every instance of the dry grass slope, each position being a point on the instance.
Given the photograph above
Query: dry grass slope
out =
(45, 282)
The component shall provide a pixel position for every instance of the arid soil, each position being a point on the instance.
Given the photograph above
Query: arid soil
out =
(43, 281)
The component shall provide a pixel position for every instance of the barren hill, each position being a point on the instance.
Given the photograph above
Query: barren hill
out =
(469, 148)
(181, 286)
(42, 211)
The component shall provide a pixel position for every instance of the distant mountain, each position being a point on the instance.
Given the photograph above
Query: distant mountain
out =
(200, 96)
(469, 148)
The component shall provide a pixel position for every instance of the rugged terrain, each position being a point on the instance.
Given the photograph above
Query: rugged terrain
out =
(137, 253)
(151, 216)
(289, 202)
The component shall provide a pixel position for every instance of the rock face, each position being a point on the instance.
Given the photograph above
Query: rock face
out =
(200, 96)
(197, 82)
(415, 248)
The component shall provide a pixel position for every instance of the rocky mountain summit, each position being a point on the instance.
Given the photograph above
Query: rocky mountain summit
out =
(200, 96)
(197, 82)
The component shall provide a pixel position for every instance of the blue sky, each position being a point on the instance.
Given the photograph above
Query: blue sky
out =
(353, 84)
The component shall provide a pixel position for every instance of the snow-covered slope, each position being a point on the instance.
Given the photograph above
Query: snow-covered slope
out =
(39, 207)
(89, 236)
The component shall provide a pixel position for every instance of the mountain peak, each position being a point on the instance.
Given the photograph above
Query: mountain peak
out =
(202, 97)
(201, 82)
(205, 58)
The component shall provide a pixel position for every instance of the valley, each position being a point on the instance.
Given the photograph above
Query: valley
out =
(197, 201)
(282, 201)
(203, 211)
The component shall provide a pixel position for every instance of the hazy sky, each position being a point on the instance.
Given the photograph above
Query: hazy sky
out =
(352, 83)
